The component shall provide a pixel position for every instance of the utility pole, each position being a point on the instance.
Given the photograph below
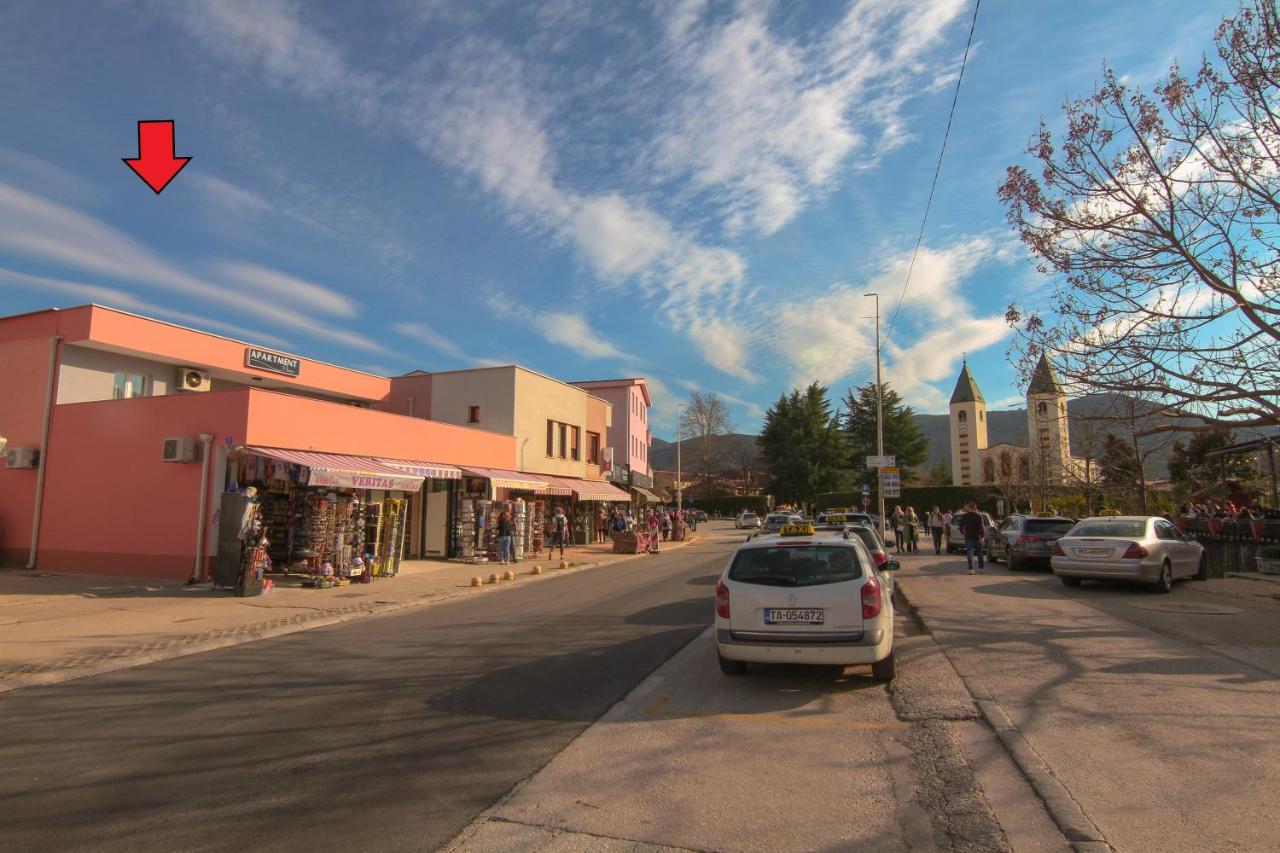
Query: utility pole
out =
(679, 475)
(879, 420)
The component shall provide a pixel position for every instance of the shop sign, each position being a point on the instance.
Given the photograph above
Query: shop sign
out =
(355, 480)
(644, 481)
(273, 362)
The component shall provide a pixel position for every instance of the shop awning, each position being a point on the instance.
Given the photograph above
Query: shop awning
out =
(431, 470)
(591, 490)
(335, 470)
(646, 495)
(504, 479)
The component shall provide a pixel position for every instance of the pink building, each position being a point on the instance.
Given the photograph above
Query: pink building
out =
(629, 436)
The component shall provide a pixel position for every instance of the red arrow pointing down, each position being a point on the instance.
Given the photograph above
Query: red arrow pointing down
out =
(155, 162)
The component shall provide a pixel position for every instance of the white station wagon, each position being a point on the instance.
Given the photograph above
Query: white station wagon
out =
(805, 597)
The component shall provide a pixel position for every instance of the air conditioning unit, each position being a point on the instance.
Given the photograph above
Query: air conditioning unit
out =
(191, 379)
(182, 450)
(22, 457)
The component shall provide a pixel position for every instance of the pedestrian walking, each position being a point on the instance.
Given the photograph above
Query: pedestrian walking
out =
(937, 521)
(653, 523)
(664, 524)
(975, 531)
(899, 527)
(504, 537)
(559, 530)
(913, 531)
(602, 525)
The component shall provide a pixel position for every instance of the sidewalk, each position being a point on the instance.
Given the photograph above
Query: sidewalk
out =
(55, 627)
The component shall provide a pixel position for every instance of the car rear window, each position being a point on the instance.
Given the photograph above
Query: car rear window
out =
(796, 565)
(868, 537)
(1049, 525)
(1110, 528)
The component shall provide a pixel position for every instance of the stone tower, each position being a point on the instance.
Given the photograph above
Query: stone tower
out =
(1048, 438)
(968, 430)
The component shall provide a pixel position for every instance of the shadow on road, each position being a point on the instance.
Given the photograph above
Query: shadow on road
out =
(703, 580)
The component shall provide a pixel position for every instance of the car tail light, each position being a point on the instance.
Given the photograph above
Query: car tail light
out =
(1057, 550)
(1136, 552)
(880, 557)
(1028, 538)
(871, 600)
(722, 599)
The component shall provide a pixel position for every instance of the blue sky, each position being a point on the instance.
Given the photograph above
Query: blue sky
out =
(696, 192)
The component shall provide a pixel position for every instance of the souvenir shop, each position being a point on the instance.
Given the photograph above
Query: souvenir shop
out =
(336, 519)
(589, 499)
(481, 497)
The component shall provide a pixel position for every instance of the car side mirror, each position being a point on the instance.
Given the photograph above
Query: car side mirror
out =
(891, 566)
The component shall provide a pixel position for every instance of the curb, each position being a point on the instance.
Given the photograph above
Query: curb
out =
(253, 633)
(1083, 834)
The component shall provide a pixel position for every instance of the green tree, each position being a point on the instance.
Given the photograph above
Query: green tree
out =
(902, 437)
(1120, 469)
(1191, 469)
(803, 445)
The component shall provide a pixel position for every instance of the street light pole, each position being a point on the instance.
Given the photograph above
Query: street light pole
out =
(679, 475)
(879, 420)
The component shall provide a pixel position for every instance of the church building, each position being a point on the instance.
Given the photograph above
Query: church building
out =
(1048, 447)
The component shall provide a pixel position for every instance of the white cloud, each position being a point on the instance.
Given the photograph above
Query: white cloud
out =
(572, 331)
(227, 198)
(111, 297)
(50, 232)
(724, 344)
(935, 357)
(287, 287)
(429, 336)
(769, 122)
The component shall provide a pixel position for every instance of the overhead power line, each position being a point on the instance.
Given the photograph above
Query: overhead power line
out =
(937, 170)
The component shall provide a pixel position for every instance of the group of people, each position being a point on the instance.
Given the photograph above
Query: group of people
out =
(907, 523)
(1225, 509)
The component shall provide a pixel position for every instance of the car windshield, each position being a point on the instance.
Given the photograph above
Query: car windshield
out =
(1110, 527)
(1048, 525)
(796, 565)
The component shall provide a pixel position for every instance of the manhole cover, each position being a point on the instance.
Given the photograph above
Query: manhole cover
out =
(1190, 609)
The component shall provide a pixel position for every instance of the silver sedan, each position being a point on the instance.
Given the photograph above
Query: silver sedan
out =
(1128, 547)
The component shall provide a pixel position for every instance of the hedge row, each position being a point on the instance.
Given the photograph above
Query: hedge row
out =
(923, 498)
(729, 504)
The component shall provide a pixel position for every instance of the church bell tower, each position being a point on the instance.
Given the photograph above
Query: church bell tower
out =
(968, 430)
(1048, 439)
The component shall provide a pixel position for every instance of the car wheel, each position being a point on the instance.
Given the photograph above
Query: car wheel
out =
(1013, 564)
(991, 556)
(1164, 583)
(731, 667)
(1067, 580)
(1202, 573)
(884, 670)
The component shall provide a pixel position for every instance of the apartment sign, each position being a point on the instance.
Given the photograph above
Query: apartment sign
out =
(272, 362)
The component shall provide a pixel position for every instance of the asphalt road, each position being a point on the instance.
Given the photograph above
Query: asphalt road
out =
(390, 733)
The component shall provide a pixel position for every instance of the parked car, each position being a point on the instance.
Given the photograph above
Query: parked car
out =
(775, 521)
(955, 539)
(875, 544)
(697, 515)
(1025, 540)
(747, 520)
(1128, 547)
(810, 598)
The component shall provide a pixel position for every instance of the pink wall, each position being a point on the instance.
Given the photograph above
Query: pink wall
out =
(283, 420)
(111, 505)
(597, 419)
(415, 388)
(630, 418)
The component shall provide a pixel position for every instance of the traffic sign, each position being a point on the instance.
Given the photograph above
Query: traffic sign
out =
(866, 502)
(866, 489)
(881, 461)
(890, 484)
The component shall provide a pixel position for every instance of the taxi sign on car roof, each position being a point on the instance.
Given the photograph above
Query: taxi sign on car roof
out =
(796, 530)
(1109, 512)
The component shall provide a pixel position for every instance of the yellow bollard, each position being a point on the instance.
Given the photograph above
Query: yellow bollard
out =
(477, 581)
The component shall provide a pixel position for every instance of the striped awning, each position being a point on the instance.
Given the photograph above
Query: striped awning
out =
(337, 470)
(430, 470)
(504, 479)
(591, 490)
(646, 495)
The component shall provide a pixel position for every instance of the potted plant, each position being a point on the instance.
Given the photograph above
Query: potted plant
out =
(1269, 559)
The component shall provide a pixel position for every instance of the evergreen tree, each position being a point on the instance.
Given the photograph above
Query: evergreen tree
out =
(1190, 468)
(1120, 469)
(803, 445)
(902, 437)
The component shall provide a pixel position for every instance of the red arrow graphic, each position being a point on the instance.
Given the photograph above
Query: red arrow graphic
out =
(155, 162)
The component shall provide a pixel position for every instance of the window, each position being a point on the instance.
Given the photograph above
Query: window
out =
(564, 439)
(1041, 408)
(551, 438)
(576, 447)
(129, 385)
(593, 448)
(981, 416)
(473, 415)
(964, 416)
